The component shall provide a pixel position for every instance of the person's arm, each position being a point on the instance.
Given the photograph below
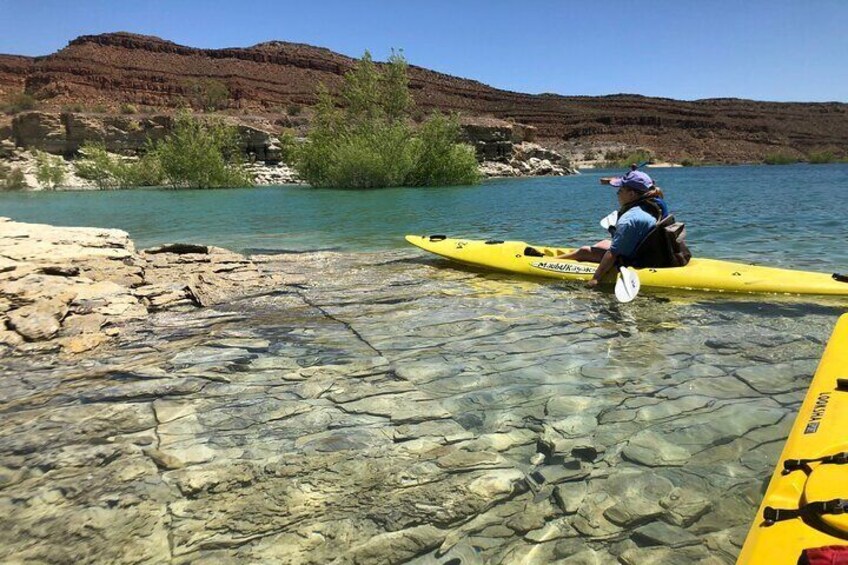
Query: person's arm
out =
(607, 263)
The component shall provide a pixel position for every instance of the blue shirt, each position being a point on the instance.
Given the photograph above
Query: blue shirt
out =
(663, 206)
(630, 230)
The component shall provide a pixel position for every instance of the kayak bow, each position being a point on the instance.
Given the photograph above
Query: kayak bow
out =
(700, 274)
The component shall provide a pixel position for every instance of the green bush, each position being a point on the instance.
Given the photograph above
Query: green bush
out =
(365, 139)
(620, 159)
(49, 170)
(821, 157)
(294, 109)
(779, 159)
(96, 165)
(200, 154)
(209, 94)
(437, 159)
(127, 108)
(19, 103)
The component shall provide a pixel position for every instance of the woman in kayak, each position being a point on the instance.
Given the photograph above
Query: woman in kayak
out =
(641, 206)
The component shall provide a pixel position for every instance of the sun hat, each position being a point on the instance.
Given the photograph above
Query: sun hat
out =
(636, 180)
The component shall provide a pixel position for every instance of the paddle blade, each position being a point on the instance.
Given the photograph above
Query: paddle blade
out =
(627, 285)
(610, 220)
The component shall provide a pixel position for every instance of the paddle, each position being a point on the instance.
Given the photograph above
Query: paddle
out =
(609, 221)
(626, 285)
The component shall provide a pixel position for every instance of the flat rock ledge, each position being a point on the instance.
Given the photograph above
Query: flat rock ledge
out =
(386, 408)
(71, 289)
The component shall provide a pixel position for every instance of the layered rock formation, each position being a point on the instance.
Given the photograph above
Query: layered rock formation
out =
(279, 78)
(503, 148)
(73, 288)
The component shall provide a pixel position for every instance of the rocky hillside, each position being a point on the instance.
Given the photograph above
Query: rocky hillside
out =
(278, 80)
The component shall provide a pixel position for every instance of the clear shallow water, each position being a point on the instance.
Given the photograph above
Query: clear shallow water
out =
(783, 216)
(679, 390)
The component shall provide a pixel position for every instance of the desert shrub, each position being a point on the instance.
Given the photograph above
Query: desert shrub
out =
(73, 108)
(127, 108)
(209, 94)
(20, 102)
(111, 171)
(49, 169)
(437, 159)
(200, 154)
(779, 159)
(621, 159)
(364, 139)
(821, 157)
(11, 178)
(589, 155)
(96, 165)
(144, 171)
(294, 109)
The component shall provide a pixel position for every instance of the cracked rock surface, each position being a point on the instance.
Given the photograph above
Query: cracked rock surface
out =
(388, 408)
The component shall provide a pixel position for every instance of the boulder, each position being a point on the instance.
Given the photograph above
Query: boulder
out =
(34, 323)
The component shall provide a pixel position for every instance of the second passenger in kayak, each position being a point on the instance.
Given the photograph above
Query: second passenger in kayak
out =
(641, 205)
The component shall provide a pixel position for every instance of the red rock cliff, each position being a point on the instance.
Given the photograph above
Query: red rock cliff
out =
(117, 68)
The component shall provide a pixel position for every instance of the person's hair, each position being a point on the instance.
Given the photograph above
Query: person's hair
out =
(655, 192)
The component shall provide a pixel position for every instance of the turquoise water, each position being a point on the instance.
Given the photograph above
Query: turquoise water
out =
(790, 216)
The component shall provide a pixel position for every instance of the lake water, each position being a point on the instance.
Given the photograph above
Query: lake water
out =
(390, 389)
(787, 216)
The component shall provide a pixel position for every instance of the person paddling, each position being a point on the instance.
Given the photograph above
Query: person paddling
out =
(641, 207)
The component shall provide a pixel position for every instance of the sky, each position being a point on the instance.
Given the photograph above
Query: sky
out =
(779, 50)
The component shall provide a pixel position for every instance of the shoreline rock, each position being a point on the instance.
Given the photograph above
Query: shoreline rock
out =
(73, 288)
(503, 149)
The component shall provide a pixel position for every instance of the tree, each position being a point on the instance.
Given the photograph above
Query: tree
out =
(200, 154)
(209, 94)
(364, 138)
(49, 170)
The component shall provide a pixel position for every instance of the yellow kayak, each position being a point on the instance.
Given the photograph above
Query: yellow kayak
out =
(699, 274)
(807, 499)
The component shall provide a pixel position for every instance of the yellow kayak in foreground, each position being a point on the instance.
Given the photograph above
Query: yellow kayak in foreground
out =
(699, 274)
(806, 501)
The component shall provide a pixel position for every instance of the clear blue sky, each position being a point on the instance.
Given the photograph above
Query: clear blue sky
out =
(786, 50)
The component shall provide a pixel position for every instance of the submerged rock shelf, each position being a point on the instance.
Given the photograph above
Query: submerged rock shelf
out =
(383, 408)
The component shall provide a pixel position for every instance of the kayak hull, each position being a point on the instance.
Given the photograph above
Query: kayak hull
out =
(700, 274)
(820, 430)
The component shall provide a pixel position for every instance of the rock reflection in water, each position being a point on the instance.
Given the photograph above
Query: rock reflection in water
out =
(402, 412)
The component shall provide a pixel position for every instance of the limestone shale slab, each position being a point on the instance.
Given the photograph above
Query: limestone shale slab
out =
(74, 288)
(381, 409)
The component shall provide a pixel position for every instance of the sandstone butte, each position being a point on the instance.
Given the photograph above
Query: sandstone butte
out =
(278, 80)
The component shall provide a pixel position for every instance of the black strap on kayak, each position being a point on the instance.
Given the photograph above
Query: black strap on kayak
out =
(532, 252)
(835, 506)
(840, 278)
(795, 464)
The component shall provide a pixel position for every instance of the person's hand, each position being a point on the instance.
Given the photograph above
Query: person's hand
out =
(593, 283)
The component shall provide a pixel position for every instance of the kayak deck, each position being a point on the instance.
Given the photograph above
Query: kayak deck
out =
(700, 274)
(801, 480)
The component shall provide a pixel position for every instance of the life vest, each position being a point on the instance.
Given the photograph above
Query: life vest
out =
(665, 245)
